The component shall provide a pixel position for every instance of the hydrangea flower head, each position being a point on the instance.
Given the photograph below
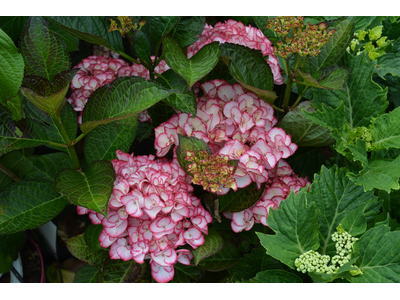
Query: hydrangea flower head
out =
(151, 212)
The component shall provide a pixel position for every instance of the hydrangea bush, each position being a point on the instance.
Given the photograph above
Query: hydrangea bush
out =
(205, 149)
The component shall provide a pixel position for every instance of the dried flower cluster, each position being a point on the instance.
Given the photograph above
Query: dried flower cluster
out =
(211, 171)
(151, 212)
(297, 39)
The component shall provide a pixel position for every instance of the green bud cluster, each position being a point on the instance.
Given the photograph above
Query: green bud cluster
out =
(364, 134)
(298, 38)
(312, 261)
(374, 42)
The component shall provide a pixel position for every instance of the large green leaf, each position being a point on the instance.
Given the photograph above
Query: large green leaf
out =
(250, 69)
(224, 259)
(43, 51)
(48, 165)
(11, 136)
(117, 270)
(388, 64)
(186, 274)
(125, 97)
(11, 68)
(142, 46)
(104, 140)
(87, 274)
(379, 255)
(183, 100)
(46, 124)
(15, 162)
(28, 204)
(188, 30)
(336, 196)
(213, 243)
(91, 189)
(382, 174)
(330, 78)
(363, 100)
(196, 67)
(92, 234)
(81, 250)
(252, 263)
(92, 29)
(334, 49)
(241, 199)
(295, 223)
(10, 244)
(385, 130)
(275, 276)
(13, 26)
(303, 131)
(159, 26)
(71, 41)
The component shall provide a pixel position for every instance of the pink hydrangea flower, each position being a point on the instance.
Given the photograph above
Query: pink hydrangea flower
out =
(151, 212)
(235, 32)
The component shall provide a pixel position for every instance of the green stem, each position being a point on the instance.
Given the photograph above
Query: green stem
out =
(70, 148)
(9, 173)
(277, 108)
(300, 97)
(78, 138)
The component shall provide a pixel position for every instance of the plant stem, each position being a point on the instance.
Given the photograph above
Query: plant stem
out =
(277, 108)
(9, 173)
(67, 141)
(300, 97)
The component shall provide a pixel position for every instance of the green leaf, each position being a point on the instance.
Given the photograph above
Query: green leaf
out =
(189, 144)
(380, 173)
(188, 30)
(11, 68)
(81, 250)
(48, 129)
(186, 274)
(43, 51)
(183, 100)
(11, 137)
(92, 234)
(157, 27)
(13, 26)
(362, 22)
(71, 41)
(241, 199)
(295, 223)
(379, 255)
(102, 142)
(17, 164)
(250, 69)
(213, 243)
(125, 97)
(142, 46)
(334, 49)
(48, 165)
(196, 67)
(303, 131)
(117, 270)
(388, 64)
(224, 259)
(355, 223)
(87, 274)
(385, 130)
(91, 29)
(336, 196)
(275, 276)
(10, 245)
(391, 203)
(252, 263)
(15, 106)
(330, 78)
(91, 189)
(28, 204)
(363, 100)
